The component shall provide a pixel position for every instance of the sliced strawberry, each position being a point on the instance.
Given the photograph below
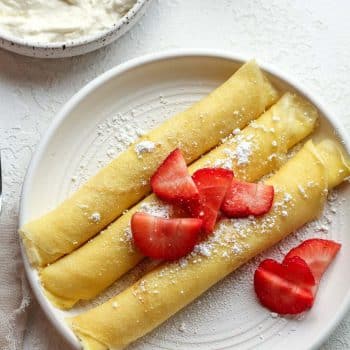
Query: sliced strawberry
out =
(172, 182)
(300, 272)
(212, 184)
(243, 199)
(317, 253)
(284, 288)
(167, 239)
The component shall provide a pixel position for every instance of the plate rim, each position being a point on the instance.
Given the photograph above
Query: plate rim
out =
(114, 72)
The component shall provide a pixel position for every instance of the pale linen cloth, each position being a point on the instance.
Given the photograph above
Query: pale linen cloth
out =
(16, 301)
(20, 314)
(14, 296)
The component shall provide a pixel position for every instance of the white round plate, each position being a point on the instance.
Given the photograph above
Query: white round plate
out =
(98, 121)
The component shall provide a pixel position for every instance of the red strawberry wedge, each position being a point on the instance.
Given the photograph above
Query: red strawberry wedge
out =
(172, 181)
(160, 238)
(212, 184)
(243, 199)
(284, 288)
(317, 253)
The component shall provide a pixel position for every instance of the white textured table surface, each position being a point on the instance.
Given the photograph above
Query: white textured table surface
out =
(309, 40)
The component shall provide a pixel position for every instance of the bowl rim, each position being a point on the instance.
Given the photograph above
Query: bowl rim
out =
(80, 41)
(132, 64)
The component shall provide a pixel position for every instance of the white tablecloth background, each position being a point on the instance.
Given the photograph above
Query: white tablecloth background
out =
(309, 40)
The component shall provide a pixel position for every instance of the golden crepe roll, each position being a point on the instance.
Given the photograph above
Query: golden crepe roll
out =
(301, 186)
(125, 180)
(255, 151)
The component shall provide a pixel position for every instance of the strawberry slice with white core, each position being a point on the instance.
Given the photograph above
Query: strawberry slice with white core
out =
(244, 198)
(317, 253)
(285, 288)
(167, 239)
(172, 182)
(212, 184)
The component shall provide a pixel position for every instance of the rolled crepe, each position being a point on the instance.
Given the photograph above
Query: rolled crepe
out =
(254, 152)
(125, 180)
(301, 186)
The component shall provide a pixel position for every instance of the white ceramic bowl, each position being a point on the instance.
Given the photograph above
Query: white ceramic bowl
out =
(77, 46)
(147, 90)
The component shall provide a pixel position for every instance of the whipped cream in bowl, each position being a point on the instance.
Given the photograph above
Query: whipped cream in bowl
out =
(61, 28)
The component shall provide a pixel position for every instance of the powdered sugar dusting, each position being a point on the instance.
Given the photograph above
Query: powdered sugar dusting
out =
(203, 249)
(243, 152)
(227, 162)
(302, 191)
(113, 135)
(144, 147)
(95, 217)
(182, 327)
(127, 234)
(125, 131)
(157, 208)
(236, 131)
(239, 150)
(320, 228)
